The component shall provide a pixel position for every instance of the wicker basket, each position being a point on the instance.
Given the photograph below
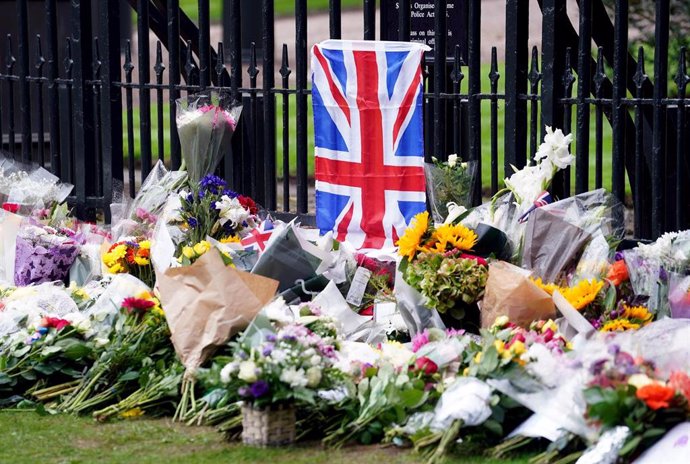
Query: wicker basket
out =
(273, 426)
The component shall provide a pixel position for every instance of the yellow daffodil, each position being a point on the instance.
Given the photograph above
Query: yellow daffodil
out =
(410, 242)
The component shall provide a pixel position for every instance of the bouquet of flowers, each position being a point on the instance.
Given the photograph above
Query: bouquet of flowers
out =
(289, 365)
(205, 124)
(25, 188)
(626, 391)
(44, 254)
(210, 209)
(130, 257)
(138, 217)
(448, 182)
(436, 264)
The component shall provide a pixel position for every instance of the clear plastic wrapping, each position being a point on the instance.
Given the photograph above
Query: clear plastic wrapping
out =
(449, 184)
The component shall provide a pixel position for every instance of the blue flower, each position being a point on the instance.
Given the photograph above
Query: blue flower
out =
(211, 183)
(230, 193)
(193, 223)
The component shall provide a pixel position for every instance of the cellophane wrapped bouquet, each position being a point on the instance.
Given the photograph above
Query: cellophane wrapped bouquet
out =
(44, 254)
(447, 182)
(205, 124)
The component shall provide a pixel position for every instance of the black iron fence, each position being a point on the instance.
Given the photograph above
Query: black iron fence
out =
(99, 113)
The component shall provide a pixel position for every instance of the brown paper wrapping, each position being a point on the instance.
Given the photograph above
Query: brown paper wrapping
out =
(509, 292)
(207, 303)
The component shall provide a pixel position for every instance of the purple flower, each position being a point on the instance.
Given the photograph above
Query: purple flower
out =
(614, 349)
(193, 223)
(597, 366)
(271, 337)
(243, 391)
(259, 388)
(267, 349)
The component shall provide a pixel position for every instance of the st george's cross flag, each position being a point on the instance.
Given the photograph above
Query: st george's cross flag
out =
(369, 145)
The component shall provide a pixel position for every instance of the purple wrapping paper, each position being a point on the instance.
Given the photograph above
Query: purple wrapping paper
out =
(41, 261)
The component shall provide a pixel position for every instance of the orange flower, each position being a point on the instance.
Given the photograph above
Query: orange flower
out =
(656, 395)
(680, 381)
(618, 273)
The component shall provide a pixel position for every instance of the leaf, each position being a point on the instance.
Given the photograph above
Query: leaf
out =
(411, 398)
(127, 376)
(631, 445)
(494, 427)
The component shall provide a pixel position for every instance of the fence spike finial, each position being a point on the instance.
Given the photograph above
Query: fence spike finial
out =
(189, 66)
(40, 59)
(253, 70)
(285, 70)
(534, 75)
(9, 59)
(494, 75)
(456, 74)
(68, 62)
(640, 76)
(128, 66)
(220, 63)
(568, 76)
(158, 66)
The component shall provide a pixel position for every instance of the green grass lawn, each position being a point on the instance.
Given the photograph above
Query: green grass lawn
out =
(485, 136)
(30, 438)
(282, 7)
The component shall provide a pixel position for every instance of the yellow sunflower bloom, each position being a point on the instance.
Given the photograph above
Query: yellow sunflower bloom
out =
(230, 239)
(619, 325)
(410, 242)
(448, 237)
(583, 293)
(637, 312)
(548, 288)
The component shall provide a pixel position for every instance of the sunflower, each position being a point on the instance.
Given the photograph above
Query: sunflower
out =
(640, 313)
(230, 239)
(548, 288)
(583, 293)
(449, 236)
(410, 242)
(619, 325)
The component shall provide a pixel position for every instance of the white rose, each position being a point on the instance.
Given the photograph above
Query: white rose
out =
(315, 360)
(313, 377)
(247, 371)
(639, 380)
(452, 160)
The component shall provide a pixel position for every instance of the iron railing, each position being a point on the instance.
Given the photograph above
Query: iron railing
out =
(62, 104)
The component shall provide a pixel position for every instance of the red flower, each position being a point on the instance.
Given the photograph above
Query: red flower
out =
(368, 311)
(129, 256)
(137, 305)
(54, 323)
(426, 365)
(248, 204)
(11, 207)
(656, 396)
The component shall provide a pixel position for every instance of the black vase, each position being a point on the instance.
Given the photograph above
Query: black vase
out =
(463, 316)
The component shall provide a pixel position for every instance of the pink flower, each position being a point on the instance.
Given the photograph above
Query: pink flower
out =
(419, 340)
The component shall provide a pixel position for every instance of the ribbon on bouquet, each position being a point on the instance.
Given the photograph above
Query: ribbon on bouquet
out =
(543, 199)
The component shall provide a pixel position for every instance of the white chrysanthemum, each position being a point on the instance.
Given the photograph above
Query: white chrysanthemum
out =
(313, 377)
(452, 160)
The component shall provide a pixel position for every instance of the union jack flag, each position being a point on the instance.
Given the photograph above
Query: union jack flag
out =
(369, 145)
